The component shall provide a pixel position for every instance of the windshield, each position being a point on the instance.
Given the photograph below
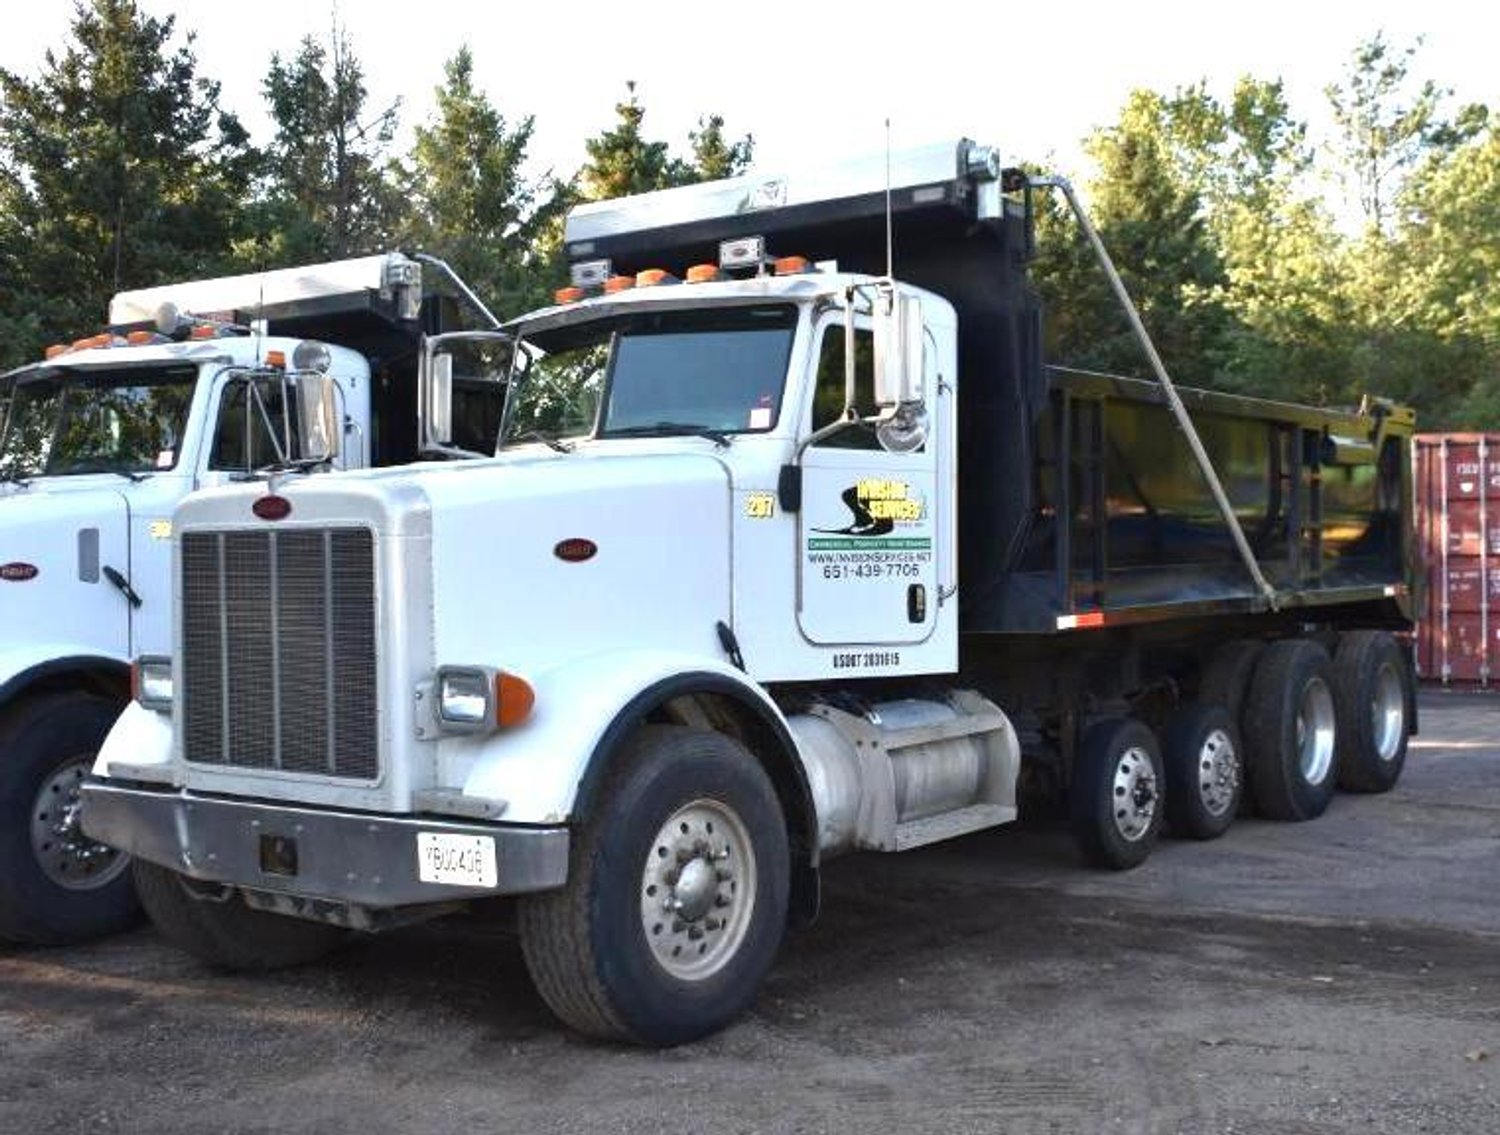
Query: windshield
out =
(720, 370)
(60, 420)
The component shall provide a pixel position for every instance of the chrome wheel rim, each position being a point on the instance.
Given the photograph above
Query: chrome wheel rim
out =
(1135, 794)
(1218, 772)
(1315, 731)
(1387, 713)
(66, 856)
(698, 890)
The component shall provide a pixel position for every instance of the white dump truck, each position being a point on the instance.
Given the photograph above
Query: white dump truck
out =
(793, 547)
(199, 383)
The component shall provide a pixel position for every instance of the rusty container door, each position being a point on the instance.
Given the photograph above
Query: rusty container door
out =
(1458, 534)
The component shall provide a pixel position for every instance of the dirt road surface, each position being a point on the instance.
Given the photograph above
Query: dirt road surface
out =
(1338, 976)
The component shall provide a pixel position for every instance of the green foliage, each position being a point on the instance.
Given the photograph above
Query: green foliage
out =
(622, 162)
(328, 190)
(472, 205)
(713, 156)
(1388, 123)
(118, 168)
(1243, 275)
(1150, 215)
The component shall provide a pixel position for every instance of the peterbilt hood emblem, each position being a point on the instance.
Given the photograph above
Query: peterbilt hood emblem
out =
(17, 572)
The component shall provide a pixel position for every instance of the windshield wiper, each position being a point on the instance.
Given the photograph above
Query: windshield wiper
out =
(546, 439)
(79, 467)
(291, 465)
(668, 429)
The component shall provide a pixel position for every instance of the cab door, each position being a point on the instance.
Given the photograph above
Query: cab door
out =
(867, 538)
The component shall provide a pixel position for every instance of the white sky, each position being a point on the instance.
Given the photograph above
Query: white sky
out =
(813, 80)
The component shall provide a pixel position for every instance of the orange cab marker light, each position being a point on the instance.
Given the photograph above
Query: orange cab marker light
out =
(653, 276)
(514, 698)
(203, 331)
(141, 338)
(568, 295)
(791, 265)
(618, 284)
(91, 342)
(57, 349)
(702, 273)
(276, 359)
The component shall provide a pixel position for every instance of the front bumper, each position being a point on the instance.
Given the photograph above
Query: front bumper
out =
(348, 857)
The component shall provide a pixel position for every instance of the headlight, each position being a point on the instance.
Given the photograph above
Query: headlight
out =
(151, 682)
(463, 697)
(478, 699)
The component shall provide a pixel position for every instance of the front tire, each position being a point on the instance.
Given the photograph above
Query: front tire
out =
(1290, 731)
(1116, 797)
(1372, 688)
(676, 897)
(56, 885)
(221, 930)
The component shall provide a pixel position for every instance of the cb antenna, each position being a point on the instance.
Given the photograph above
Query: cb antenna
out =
(258, 324)
(890, 248)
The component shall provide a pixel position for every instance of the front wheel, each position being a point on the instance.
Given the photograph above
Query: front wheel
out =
(56, 884)
(1116, 797)
(676, 897)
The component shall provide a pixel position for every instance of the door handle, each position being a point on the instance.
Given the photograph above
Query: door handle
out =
(123, 585)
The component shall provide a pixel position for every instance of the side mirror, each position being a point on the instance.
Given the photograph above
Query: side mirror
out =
(318, 431)
(437, 399)
(898, 350)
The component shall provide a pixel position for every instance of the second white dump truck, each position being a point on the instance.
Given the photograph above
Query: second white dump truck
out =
(193, 384)
(793, 548)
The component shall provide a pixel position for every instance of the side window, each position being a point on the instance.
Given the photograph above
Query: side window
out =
(828, 390)
(242, 434)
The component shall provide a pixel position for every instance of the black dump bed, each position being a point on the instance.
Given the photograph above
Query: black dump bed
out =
(1079, 498)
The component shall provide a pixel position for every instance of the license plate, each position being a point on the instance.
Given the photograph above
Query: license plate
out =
(456, 860)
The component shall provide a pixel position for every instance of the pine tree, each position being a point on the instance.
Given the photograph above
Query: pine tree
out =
(328, 187)
(623, 162)
(118, 168)
(473, 205)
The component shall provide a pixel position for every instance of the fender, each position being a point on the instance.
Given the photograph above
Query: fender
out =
(140, 738)
(549, 770)
(53, 666)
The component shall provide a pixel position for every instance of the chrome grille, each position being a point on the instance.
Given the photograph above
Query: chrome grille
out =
(278, 666)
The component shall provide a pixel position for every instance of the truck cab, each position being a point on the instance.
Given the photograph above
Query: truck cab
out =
(99, 442)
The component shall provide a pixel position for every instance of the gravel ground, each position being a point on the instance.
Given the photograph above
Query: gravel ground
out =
(1339, 976)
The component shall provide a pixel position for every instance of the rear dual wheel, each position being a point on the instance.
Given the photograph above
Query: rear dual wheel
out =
(1290, 728)
(1372, 695)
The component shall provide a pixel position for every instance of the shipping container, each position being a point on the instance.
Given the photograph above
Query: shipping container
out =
(1458, 537)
